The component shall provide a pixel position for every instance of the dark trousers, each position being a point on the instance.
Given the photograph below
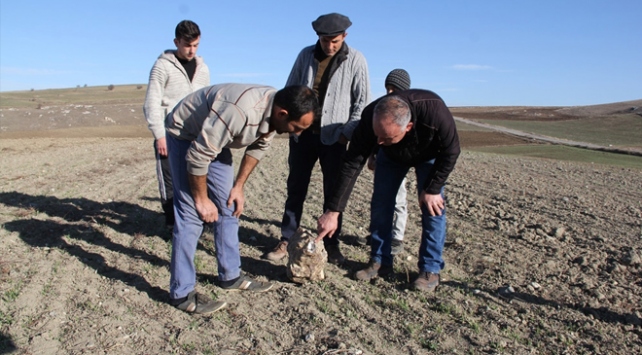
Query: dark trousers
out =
(164, 175)
(304, 153)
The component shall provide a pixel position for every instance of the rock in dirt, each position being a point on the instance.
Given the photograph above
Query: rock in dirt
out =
(307, 258)
(506, 290)
(632, 258)
(559, 232)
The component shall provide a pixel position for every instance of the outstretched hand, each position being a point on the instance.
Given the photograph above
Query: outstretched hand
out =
(327, 224)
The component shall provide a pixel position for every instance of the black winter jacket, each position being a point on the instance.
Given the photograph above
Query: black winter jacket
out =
(433, 136)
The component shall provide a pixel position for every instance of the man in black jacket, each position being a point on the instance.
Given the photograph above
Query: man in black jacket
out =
(413, 128)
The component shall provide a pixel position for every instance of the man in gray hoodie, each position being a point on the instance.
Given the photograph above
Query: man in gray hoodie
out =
(175, 74)
(338, 74)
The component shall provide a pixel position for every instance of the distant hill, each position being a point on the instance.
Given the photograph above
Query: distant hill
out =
(634, 106)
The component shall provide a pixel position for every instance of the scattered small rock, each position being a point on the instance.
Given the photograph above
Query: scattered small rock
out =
(632, 258)
(559, 232)
(506, 290)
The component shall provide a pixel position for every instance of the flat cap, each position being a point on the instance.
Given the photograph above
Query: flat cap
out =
(331, 24)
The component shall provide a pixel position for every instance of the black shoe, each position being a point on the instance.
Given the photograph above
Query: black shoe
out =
(334, 255)
(246, 283)
(198, 303)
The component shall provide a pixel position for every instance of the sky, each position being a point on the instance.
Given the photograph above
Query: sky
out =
(471, 53)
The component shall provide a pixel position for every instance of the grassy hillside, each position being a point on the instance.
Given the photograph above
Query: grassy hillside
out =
(564, 153)
(620, 129)
(92, 95)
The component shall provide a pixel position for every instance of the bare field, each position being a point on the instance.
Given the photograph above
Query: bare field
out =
(616, 124)
(542, 256)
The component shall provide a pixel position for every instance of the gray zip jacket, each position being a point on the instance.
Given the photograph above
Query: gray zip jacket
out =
(223, 116)
(168, 84)
(347, 95)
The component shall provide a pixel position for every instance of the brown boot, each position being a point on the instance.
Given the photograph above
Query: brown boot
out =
(280, 252)
(373, 270)
(334, 255)
(426, 282)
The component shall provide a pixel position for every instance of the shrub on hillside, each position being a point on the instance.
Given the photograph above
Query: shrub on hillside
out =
(110, 87)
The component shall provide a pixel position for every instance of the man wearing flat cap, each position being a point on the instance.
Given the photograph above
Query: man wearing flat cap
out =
(338, 74)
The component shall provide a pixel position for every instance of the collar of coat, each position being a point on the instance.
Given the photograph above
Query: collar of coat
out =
(341, 55)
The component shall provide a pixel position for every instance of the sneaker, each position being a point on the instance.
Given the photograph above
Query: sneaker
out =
(373, 270)
(397, 247)
(278, 253)
(198, 303)
(334, 255)
(246, 283)
(426, 282)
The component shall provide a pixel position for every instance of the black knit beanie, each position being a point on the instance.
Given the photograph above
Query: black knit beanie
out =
(398, 78)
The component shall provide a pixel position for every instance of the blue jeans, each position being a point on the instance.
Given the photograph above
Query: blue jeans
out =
(304, 153)
(388, 177)
(189, 226)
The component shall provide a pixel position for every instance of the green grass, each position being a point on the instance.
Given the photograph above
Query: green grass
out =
(322, 306)
(560, 152)
(92, 95)
(5, 318)
(618, 130)
(468, 127)
(13, 293)
(199, 263)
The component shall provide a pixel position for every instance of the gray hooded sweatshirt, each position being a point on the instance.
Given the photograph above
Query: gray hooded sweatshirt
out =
(168, 84)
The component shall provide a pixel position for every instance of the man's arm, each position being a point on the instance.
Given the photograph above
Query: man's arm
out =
(449, 148)
(352, 163)
(296, 77)
(360, 94)
(236, 195)
(152, 109)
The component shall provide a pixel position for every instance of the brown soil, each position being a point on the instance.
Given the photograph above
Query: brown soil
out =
(542, 256)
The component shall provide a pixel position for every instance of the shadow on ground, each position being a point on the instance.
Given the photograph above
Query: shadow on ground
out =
(80, 219)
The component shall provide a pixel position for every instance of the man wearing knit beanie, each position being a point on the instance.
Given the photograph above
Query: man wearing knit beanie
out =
(397, 80)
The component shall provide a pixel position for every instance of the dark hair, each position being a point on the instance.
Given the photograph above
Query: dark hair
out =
(187, 30)
(297, 100)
